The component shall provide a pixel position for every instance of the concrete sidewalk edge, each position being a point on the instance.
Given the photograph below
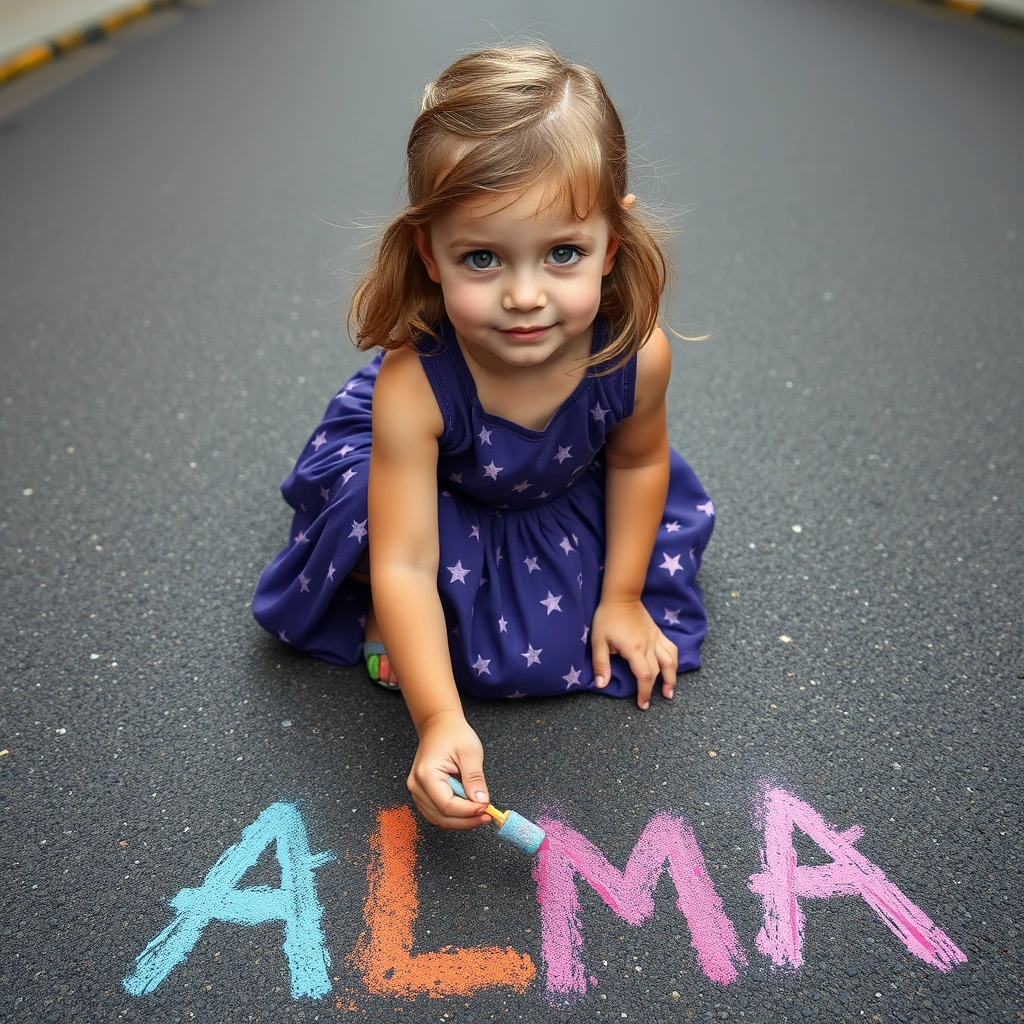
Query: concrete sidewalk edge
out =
(64, 41)
(1002, 12)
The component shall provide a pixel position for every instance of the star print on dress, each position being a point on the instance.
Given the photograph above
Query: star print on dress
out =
(302, 538)
(331, 571)
(708, 508)
(458, 573)
(474, 532)
(693, 554)
(551, 603)
(672, 564)
(324, 493)
(532, 656)
(320, 439)
(586, 633)
(599, 413)
(492, 470)
(516, 696)
(348, 474)
(503, 625)
(563, 454)
(303, 583)
(531, 564)
(456, 478)
(282, 637)
(673, 527)
(573, 678)
(358, 530)
(484, 435)
(345, 449)
(566, 545)
(481, 664)
(522, 486)
(672, 616)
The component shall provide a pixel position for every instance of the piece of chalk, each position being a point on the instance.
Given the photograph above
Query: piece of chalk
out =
(512, 827)
(522, 832)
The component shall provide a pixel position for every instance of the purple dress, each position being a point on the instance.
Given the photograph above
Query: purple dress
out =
(521, 530)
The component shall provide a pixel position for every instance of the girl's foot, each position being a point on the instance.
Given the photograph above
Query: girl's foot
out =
(378, 666)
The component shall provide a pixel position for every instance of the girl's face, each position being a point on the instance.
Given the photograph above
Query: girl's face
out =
(521, 280)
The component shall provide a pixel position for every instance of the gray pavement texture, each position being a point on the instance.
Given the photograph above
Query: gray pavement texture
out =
(180, 229)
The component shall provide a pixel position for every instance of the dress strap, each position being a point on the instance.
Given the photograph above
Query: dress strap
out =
(449, 387)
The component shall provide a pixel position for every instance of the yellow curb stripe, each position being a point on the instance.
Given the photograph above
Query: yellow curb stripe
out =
(112, 22)
(42, 53)
(984, 10)
(69, 41)
(27, 60)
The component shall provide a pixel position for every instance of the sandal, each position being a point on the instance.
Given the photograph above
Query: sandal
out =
(372, 651)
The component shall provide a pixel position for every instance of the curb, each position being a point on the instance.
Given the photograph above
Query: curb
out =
(983, 11)
(42, 53)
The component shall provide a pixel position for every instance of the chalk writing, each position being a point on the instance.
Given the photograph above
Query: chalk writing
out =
(629, 894)
(783, 882)
(384, 954)
(219, 899)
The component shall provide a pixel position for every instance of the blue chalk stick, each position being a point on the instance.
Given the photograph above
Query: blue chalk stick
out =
(516, 829)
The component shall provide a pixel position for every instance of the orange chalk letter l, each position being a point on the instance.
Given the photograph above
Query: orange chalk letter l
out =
(383, 954)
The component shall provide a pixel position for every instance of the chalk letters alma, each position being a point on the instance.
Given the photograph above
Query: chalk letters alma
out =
(389, 966)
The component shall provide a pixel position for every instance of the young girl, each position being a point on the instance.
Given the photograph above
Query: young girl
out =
(493, 500)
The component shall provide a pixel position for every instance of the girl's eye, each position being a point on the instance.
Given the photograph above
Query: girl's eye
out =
(565, 255)
(482, 259)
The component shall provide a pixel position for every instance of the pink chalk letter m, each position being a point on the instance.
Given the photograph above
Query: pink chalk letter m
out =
(629, 894)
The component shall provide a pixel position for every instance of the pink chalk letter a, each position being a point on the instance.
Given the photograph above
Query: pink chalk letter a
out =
(629, 894)
(782, 883)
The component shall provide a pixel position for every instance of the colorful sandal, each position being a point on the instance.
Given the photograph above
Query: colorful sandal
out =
(372, 651)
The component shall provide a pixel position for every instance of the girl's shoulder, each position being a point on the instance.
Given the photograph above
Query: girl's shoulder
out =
(402, 397)
(653, 369)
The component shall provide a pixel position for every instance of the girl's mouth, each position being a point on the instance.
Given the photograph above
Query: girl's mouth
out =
(526, 333)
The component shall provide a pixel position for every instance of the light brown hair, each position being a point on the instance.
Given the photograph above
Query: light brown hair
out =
(495, 123)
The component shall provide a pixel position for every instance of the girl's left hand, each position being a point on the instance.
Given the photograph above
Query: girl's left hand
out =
(628, 629)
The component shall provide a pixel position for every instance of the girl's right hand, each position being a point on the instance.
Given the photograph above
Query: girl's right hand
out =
(449, 746)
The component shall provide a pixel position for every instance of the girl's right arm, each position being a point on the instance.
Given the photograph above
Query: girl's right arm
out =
(404, 555)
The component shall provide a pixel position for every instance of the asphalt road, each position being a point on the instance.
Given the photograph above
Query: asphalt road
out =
(180, 229)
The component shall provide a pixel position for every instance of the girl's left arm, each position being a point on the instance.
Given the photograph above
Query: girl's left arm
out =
(637, 459)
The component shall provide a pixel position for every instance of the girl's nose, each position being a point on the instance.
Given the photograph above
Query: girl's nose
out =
(524, 293)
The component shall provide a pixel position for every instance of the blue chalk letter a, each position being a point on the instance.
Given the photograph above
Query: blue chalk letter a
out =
(220, 899)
